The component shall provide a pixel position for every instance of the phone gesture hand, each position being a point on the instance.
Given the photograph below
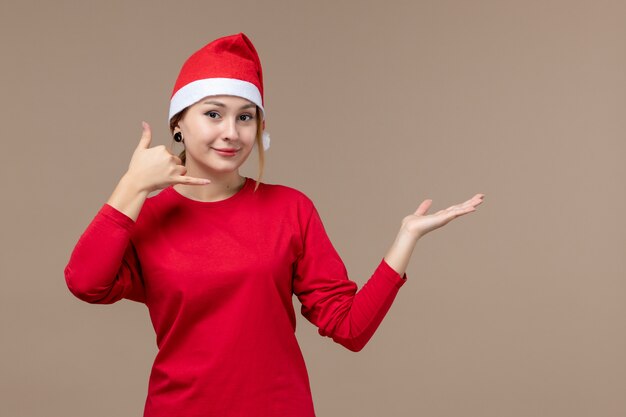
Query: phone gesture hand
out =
(156, 168)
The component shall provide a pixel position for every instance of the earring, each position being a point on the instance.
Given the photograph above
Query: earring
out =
(178, 137)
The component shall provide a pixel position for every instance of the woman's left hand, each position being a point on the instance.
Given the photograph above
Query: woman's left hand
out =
(419, 223)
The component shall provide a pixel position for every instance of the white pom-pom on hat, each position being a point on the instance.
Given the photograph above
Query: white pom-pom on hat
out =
(266, 140)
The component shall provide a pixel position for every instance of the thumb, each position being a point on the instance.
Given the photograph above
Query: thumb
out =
(423, 208)
(146, 136)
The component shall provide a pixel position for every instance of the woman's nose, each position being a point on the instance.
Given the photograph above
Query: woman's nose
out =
(230, 129)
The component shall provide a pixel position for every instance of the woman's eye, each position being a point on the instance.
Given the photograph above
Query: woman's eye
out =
(211, 114)
(246, 117)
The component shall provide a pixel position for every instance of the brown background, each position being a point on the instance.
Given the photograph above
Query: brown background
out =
(516, 309)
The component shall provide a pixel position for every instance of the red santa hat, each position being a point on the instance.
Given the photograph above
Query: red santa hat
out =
(229, 65)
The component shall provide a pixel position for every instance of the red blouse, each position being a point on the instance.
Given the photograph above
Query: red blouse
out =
(218, 280)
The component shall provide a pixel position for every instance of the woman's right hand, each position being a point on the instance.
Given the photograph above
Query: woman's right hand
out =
(155, 168)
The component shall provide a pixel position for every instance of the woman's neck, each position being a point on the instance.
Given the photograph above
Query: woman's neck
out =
(221, 187)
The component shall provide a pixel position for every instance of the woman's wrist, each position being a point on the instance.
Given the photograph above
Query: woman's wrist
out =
(128, 197)
(130, 182)
(399, 253)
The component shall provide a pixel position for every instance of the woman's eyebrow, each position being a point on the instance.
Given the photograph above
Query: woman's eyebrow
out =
(218, 103)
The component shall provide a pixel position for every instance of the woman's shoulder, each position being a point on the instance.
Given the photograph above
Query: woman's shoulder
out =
(283, 191)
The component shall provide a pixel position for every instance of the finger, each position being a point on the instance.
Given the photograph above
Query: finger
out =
(183, 179)
(468, 203)
(177, 160)
(462, 210)
(423, 208)
(472, 202)
(451, 212)
(466, 207)
(478, 198)
(146, 136)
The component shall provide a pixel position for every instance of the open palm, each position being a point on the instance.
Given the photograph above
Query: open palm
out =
(420, 223)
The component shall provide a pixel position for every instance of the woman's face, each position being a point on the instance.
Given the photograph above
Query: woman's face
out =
(219, 133)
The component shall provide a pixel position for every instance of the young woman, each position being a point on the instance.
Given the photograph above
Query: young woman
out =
(216, 257)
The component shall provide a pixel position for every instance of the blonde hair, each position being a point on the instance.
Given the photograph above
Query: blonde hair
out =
(259, 140)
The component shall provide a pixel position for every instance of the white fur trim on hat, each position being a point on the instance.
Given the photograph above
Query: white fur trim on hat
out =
(197, 90)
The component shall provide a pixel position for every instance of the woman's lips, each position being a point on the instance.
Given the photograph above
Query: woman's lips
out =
(226, 152)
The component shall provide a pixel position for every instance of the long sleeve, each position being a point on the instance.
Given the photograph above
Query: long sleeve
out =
(103, 267)
(329, 298)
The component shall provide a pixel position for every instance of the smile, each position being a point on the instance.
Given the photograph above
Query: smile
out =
(226, 152)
